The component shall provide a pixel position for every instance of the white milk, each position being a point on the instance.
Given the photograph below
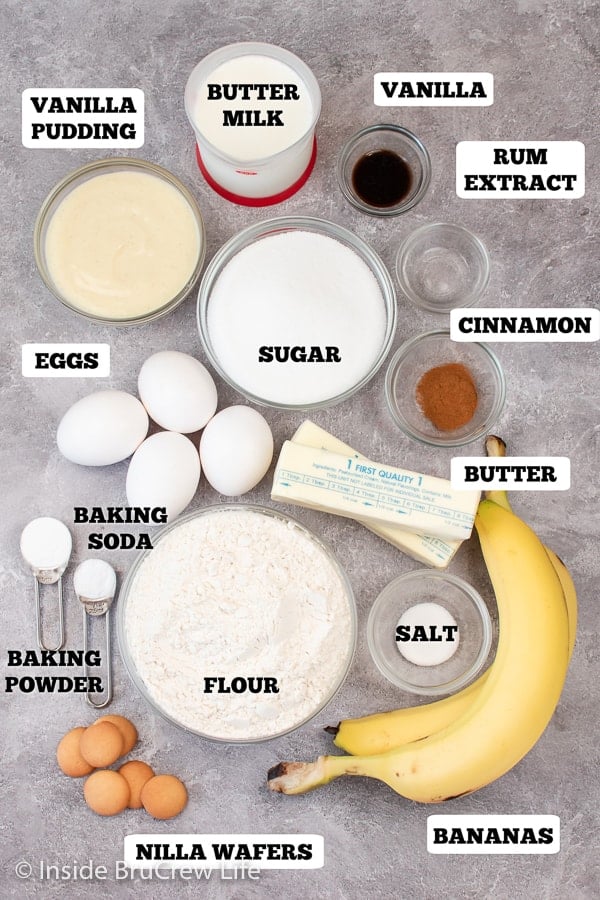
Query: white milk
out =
(291, 102)
(253, 108)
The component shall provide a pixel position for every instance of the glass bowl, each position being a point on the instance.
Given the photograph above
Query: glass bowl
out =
(442, 266)
(461, 602)
(181, 653)
(395, 141)
(75, 180)
(252, 379)
(426, 351)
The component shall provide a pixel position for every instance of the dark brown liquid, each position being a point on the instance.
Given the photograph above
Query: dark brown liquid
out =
(381, 178)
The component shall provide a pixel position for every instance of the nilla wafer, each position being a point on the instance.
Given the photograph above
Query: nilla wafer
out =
(164, 796)
(68, 754)
(136, 773)
(106, 792)
(101, 744)
(127, 729)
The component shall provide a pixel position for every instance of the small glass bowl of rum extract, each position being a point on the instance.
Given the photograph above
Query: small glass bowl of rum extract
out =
(384, 170)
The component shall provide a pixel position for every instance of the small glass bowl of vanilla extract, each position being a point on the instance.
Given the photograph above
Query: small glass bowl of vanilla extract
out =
(384, 170)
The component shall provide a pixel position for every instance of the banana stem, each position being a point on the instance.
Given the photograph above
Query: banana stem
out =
(300, 777)
(496, 447)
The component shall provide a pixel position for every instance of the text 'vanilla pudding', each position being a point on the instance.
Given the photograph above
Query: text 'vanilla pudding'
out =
(120, 241)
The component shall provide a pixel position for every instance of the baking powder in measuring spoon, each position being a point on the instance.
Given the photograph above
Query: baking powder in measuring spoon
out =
(46, 547)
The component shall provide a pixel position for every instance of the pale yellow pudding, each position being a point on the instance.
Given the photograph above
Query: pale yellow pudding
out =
(122, 245)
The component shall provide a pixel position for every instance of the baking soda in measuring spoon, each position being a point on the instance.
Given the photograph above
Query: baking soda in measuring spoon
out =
(296, 318)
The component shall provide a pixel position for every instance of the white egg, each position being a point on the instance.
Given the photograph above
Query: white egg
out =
(164, 471)
(236, 450)
(102, 428)
(178, 391)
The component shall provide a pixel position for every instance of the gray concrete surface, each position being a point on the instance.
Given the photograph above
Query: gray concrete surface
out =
(542, 57)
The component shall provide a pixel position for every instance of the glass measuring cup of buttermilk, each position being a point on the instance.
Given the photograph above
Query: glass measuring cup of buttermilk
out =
(254, 108)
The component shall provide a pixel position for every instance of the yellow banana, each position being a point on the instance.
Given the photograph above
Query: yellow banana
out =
(512, 708)
(495, 447)
(380, 732)
(383, 731)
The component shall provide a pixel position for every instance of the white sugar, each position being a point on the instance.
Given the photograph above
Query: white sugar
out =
(296, 289)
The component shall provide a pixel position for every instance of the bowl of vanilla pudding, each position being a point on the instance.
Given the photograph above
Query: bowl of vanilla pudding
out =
(254, 108)
(120, 241)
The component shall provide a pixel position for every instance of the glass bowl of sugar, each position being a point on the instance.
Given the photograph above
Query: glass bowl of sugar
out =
(296, 313)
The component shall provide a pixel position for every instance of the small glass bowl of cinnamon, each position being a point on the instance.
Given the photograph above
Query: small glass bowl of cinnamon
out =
(444, 393)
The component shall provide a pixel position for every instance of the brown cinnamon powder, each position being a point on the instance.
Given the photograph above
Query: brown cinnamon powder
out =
(448, 396)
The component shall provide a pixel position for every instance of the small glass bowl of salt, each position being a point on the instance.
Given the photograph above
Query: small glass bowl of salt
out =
(429, 633)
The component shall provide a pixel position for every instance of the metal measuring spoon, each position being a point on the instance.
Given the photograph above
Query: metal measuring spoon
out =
(46, 547)
(95, 584)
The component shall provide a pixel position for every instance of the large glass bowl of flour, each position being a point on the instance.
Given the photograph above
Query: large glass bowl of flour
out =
(240, 624)
(296, 313)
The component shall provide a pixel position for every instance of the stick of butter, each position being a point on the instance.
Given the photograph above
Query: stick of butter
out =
(347, 486)
(430, 551)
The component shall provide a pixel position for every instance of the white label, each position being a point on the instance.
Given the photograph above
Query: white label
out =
(493, 834)
(553, 325)
(433, 89)
(511, 473)
(218, 851)
(525, 170)
(78, 117)
(372, 492)
(65, 360)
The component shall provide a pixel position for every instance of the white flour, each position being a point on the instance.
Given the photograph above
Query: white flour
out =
(238, 593)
